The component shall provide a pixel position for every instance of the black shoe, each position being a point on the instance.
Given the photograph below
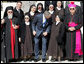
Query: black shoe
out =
(30, 60)
(44, 60)
(25, 60)
(70, 59)
(36, 60)
(53, 60)
(75, 59)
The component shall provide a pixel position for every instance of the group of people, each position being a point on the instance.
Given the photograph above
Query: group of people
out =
(52, 29)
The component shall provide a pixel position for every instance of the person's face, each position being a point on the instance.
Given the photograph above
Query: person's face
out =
(57, 19)
(59, 4)
(33, 9)
(26, 19)
(72, 10)
(10, 12)
(19, 5)
(39, 7)
(51, 7)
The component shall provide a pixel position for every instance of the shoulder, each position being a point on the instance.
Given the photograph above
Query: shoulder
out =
(14, 18)
(14, 9)
(6, 17)
(38, 15)
(21, 10)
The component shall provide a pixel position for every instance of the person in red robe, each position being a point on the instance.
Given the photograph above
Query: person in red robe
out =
(11, 40)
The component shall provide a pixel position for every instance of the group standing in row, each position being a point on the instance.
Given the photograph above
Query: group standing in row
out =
(54, 29)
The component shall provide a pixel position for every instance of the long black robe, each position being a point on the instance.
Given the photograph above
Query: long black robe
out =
(20, 17)
(8, 39)
(71, 36)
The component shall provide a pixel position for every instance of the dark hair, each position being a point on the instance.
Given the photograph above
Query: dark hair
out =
(41, 5)
(31, 7)
(19, 2)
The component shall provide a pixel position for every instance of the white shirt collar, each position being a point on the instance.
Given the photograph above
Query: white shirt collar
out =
(44, 19)
(57, 22)
(27, 23)
(39, 11)
(32, 13)
(51, 12)
(58, 8)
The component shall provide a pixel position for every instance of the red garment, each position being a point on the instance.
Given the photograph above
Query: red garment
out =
(12, 38)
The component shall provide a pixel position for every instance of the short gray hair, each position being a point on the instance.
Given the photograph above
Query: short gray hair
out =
(46, 13)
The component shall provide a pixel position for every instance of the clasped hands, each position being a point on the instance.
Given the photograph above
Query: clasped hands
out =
(71, 28)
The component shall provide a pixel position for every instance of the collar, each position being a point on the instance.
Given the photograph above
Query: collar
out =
(32, 13)
(57, 22)
(27, 23)
(51, 12)
(39, 11)
(58, 8)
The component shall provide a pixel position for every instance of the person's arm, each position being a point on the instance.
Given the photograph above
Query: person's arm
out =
(80, 23)
(61, 14)
(61, 34)
(2, 21)
(48, 29)
(16, 26)
(65, 23)
(34, 23)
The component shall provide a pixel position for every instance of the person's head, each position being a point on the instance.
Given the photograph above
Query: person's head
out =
(72, 8)
(40, 6)
(32, 8)
(26, 18)
(19, 4)
(51, 7)
(57, 18)
(47, 14)
(59, 4)
(9, 12)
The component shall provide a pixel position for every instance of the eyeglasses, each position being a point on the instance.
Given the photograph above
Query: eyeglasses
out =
(72, 8)
(51, 7)
(10, 12)
(26, 18)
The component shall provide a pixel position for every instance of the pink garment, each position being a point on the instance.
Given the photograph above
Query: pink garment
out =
(78, 39)
(71, 5)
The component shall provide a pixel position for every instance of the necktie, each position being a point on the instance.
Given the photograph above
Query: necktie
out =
(44, 22)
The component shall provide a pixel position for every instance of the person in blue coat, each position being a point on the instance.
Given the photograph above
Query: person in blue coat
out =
(41, 28)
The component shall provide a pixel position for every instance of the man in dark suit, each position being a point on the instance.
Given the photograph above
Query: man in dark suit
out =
(41, 28)
(47, 3)
(18, 13)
